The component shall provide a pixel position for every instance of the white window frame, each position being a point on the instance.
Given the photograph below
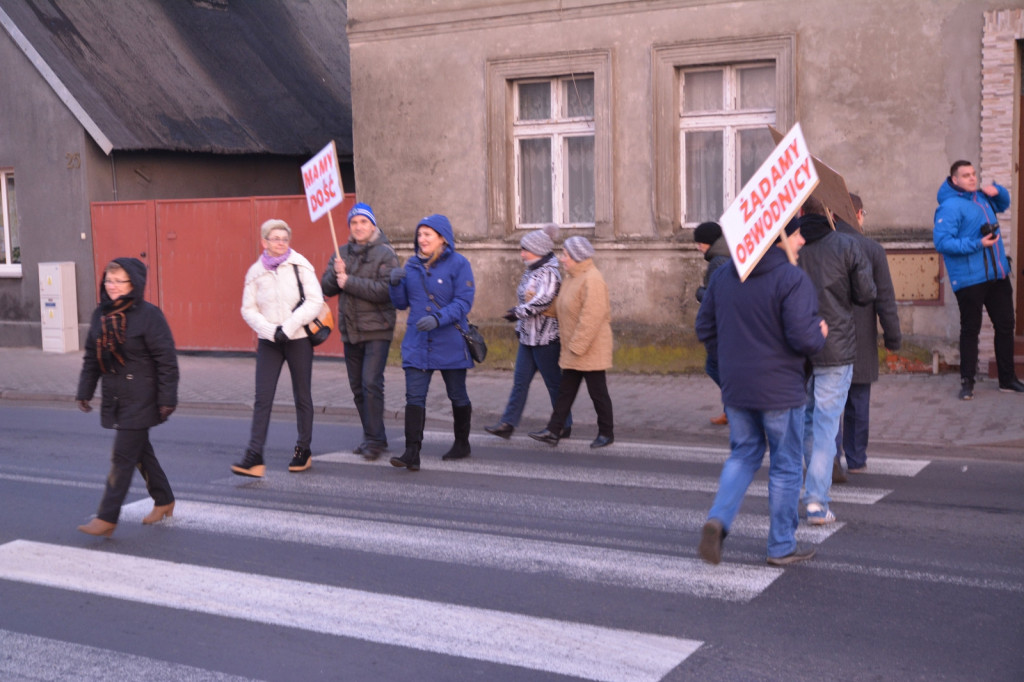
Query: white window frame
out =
(558, 128)
(668, 63)
(730, 122)
(7, 269)
(502, 180)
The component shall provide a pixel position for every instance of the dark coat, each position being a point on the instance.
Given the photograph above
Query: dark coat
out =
(716, 256)
(132, 393)
(842, 276)
(867, 317)
(365, 311)
(763, 330)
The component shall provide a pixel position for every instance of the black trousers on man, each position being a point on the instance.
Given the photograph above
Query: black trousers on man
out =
(996, 296)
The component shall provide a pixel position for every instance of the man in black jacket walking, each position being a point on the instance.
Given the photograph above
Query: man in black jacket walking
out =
(842, 276)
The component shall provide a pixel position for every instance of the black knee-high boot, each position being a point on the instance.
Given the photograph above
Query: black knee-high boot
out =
(463, 415)
(415, 416)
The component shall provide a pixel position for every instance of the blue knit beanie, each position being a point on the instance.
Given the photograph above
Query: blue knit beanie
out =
(363, 210)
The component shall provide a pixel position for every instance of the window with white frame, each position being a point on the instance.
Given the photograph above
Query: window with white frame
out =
(553, 133)
(724, 112)
(10, 245)
(549, 143)
(713, 100)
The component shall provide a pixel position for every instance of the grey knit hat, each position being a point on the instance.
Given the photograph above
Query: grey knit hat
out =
(578, 248)
(537, 242)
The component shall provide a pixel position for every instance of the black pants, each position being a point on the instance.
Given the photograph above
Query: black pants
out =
(996, 296)
(597, 387)
(132, 450)
(269, 358)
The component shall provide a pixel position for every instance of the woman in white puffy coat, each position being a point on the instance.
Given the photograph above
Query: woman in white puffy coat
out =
(270, 305)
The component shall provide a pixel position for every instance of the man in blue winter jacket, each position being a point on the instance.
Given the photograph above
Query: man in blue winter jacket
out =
(968, 237)
(763, 330)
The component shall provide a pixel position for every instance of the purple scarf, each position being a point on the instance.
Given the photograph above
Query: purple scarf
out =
(271, 262)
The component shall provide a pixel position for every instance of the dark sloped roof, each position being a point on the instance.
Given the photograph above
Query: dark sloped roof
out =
(221, 76)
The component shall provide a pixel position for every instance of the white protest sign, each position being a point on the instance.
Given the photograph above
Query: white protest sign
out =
(767, 202)
(322, 179)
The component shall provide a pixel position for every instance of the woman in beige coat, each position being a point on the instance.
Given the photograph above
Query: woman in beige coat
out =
(584, 321)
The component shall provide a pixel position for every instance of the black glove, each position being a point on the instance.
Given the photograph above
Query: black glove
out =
(397, 275)
(280, 336)
(84, 406)
(511, 315)
(165, 411)
(425, 324)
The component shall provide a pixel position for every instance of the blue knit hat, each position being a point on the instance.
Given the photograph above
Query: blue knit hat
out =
(363, 210)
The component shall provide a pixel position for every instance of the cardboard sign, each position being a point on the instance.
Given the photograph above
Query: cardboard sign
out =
(766, 203)
(321, 177)
(831, 191)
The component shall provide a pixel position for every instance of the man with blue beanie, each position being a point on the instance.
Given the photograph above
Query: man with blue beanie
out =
(358, 274)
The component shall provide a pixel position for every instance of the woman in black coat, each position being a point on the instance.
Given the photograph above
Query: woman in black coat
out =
(131, 348)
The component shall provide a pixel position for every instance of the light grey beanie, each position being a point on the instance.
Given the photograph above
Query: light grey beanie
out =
(578, 248)
(537, 242)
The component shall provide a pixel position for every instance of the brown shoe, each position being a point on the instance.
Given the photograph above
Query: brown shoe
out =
(98, 527)
(720, 420)
(158, 514)
(710, 547)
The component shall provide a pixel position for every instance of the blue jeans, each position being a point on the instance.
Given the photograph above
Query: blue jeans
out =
(852, 439)
(826, 398)
(749, 432)
(417, 381)
(530, 360)
(365, 363)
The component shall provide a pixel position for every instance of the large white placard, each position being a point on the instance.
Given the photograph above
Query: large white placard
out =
(322, 179)
(768, 201)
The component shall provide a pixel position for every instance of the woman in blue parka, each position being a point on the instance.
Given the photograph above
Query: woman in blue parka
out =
(436, 286)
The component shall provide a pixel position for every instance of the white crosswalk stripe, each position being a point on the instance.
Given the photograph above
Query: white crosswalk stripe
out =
(26, 658)
(577, 474)
(536, 643)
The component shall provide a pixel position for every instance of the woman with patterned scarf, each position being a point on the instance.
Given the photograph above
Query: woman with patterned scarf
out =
(129, 347)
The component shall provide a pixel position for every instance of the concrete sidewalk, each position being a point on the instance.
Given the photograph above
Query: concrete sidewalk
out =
(912, 414)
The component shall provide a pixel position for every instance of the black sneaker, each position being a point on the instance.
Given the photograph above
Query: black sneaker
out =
(302, 459)
(1015, 387)
(251, 465)
(793, 557)
(966, 389)
(711, 536)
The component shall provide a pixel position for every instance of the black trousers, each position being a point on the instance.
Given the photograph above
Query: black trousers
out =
(597, 387)
(996, 296)
(132, 450)
(269, 358)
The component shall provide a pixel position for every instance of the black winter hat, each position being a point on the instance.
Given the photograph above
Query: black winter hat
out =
(707, 233)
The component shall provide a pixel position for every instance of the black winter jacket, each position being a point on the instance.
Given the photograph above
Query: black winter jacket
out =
(842, 276)
(365, 311)
(867, 317)
(132, 393)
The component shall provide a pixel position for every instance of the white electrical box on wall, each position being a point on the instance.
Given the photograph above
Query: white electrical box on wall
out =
(58, 302)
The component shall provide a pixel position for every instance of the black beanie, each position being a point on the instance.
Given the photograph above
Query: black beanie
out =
(707, 233)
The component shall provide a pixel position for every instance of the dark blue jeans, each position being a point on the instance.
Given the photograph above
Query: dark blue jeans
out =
(852, 438)
(530, 360)
(365, 363)
(417, 382)
(269, 358)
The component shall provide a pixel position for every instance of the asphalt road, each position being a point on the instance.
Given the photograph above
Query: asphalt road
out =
(522, 562)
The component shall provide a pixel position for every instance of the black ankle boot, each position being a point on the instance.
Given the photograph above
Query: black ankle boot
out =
(463, 415)
(415, 416)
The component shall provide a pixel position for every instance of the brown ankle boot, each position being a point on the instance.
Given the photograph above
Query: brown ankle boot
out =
(158, 514)
(98, 527)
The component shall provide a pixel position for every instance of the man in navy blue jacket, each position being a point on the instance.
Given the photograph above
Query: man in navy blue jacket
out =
(763, 329)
